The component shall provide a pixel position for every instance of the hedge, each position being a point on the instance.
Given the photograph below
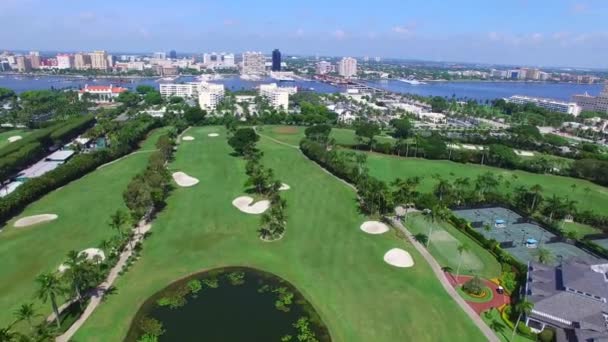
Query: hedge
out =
(129, 136)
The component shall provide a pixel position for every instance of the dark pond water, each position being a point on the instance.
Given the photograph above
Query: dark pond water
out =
(246, 305)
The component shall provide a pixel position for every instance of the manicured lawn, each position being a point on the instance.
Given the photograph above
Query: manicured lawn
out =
(504, 333)
(7, 134)
(579, 228)
(324, 254)
(293, 134)
(444, 243)
(83, 207)
(388, 168)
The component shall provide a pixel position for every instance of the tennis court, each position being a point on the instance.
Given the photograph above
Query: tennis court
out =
(519, 236)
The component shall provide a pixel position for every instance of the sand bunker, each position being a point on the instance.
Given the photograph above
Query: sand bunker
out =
(62, 268)
(184, 180)
(212, 135)
(524, 153)
(399, 258)
(35, 219)
(93, 254)
(187, 138)
(14, 138)
(246, 205)
(374, 227)
(284, 187)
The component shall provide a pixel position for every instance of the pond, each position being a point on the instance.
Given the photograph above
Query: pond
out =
(228, 304)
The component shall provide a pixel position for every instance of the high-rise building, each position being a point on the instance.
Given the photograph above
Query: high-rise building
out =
(215, 60)
(172, 54)
(159, 55)
(347, 67)
(99, 60)
(549, 104)
(82, 61)
(23, 64)
(65, 61)
(277, 96)
(34, 58)
(593, 103)
(110, 59)
(209, 95)
(324, 67)
(276, 60)
(254, 63)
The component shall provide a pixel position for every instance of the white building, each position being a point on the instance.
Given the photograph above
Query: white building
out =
(180, 90)
(65, 61)
(216, 60)
(347, 67)
(593, 103)
(277, 96)
(436, 118)
(101, 94)
(254, 63)
(324, 67)
(549, 104)
(159, 55)
(209, 95)
(99, 60)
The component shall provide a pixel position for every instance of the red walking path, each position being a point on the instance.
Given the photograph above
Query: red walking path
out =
(497, 300)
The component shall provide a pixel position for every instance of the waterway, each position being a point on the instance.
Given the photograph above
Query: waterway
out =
(462, 90)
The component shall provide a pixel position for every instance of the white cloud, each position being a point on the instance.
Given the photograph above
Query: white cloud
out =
(339, 34)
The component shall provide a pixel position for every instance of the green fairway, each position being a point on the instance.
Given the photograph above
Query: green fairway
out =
(14, 132)
(293, 134)
(444, 243)
(83, 207)
(336, 266)
(388, 168)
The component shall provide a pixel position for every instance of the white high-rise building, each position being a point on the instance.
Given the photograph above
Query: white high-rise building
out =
(277, 96)
(254, 63)
(179, 89)
(99, 60)
(65, 61)
(209, 95)
(215, 60)
(324, 67)
(159, 55)
(347, 67)
(549, 104)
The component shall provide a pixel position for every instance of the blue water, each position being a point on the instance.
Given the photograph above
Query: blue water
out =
(490, 90)
(461, 90)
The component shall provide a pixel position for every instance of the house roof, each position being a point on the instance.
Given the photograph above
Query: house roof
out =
(101, 88)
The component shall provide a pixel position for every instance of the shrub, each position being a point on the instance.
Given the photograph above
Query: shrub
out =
(547, 335)
(474, 286)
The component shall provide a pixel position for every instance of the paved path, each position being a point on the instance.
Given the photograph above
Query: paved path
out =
(98, 294)
(497, 300)
(489, 333)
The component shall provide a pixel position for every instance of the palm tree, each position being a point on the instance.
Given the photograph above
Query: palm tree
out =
(442, 187)
(49, 287)
(544, 256)
(118, 220)
(25, 313)
(462, 248)
(75, 272)
(6, 334)
(431, 217)
(523, 307)
(536, 189)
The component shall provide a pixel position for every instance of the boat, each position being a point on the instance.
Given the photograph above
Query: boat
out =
(411, 81)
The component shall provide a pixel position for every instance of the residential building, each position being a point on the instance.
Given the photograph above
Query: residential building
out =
(571, 298)
(277, 96)
(253, 63)
(101, 94)
(347, 67)
(110, 59)
(159, 55)
(593, 103)
(65, 61)
(209, 95)
(216, 60)
(276, 60)
(549, 104)
(185, 90)
(23, 64)
(82, 61)
(324, 67)
(172, 54)
(99, 60)
(34, 59)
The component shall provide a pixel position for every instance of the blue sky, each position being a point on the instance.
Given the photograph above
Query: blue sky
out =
(526, 32)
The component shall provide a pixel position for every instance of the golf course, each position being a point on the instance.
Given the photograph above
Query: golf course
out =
(336, 266)
(83, 208)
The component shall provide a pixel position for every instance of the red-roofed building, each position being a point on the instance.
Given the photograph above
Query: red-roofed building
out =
(100, 93)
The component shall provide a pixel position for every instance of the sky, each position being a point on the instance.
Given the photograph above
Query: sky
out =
(521, 32)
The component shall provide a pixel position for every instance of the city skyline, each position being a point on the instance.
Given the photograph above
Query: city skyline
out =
(540, 33)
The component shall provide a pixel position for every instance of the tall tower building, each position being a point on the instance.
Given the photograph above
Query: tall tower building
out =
(82, 61)
(172, 54)
(254, 63)
(276, 60)
(99, 60)
(347, 67)
(34, 58)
